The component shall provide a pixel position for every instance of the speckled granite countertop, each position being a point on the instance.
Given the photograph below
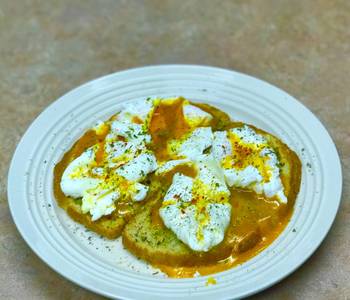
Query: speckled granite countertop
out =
(49, 47)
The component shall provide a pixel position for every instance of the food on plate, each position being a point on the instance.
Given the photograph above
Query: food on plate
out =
(189, 190)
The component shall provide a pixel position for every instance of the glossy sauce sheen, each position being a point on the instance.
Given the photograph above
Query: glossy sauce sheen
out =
(167, 123)
(255, 220)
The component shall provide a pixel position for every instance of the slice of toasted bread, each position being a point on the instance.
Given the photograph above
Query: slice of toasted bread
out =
(158, 245)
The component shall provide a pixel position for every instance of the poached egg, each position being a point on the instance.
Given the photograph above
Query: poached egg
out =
(249, 162)
(197, 209)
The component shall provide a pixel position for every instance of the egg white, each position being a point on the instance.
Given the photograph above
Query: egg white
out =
(77, 185)
(139, 167)
(199, 140)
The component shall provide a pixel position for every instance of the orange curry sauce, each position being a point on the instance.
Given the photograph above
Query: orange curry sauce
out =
(256, 221)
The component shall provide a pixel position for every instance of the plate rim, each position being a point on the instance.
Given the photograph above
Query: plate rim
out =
(209, 69)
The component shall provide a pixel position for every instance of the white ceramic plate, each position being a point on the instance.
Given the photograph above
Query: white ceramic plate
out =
(104, 266)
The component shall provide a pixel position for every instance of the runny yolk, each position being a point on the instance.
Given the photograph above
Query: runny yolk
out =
(167, 123)
(99, 156)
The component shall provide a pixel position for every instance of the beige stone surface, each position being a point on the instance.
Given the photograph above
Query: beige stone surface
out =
(49, 47)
